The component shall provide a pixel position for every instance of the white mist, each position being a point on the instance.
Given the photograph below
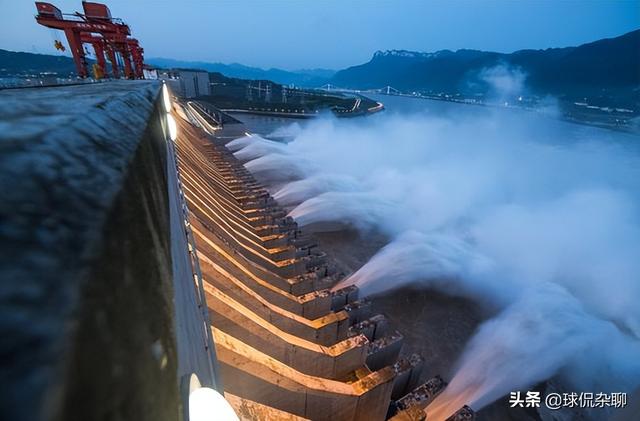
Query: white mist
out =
(538, 219)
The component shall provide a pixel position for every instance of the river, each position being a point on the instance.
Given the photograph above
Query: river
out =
(568, 131)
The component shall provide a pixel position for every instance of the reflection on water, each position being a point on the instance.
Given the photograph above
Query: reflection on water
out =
(275, 128)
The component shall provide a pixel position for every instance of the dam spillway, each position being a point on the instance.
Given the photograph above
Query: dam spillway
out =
(138, 260)
(280, 336)
(283, 339)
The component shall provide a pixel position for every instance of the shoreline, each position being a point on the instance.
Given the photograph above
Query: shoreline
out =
(568, 119)
(271, 113)
(369, 111)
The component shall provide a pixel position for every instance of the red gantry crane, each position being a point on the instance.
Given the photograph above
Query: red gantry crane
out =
(96, 27)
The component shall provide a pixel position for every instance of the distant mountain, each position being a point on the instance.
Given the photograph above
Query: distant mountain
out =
(14, 63)
(320, 73)
(608, 69)
(305, 77)
(608, 64)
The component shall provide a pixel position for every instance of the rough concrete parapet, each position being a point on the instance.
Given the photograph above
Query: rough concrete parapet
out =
(84, 255)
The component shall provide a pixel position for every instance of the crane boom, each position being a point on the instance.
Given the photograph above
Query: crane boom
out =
(96, 27)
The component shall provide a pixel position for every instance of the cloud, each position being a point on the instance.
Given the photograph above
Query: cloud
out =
(504, 81)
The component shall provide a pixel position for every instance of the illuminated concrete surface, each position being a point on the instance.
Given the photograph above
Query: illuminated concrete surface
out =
(252, 301)
(284, 341)
(125, 254)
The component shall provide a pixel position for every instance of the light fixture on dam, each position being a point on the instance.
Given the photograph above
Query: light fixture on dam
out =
(166, 98)
(173, 128)
(171, 122)
(204, 403)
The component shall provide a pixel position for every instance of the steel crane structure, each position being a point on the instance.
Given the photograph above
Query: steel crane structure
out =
(96, 27)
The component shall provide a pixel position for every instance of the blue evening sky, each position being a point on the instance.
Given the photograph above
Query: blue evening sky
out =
(334, 33)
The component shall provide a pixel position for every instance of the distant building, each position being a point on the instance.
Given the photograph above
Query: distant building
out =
(187, 83)
(150, 73)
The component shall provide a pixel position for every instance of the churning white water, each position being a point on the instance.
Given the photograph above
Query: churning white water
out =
(537, 218)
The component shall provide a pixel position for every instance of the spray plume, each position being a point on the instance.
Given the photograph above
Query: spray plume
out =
(536, 218)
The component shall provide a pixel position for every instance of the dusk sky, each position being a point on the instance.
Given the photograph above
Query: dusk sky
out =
(333, 33)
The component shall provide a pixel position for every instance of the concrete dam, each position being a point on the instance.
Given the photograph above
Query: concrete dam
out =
(146, 262)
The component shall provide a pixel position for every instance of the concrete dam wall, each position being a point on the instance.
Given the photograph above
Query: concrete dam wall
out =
(86, 314)
(133, 259)
(283, 339)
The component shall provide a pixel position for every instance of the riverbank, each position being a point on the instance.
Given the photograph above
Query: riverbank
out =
(282, 114)
(303, 114)
(622, 120)
(263, 97)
